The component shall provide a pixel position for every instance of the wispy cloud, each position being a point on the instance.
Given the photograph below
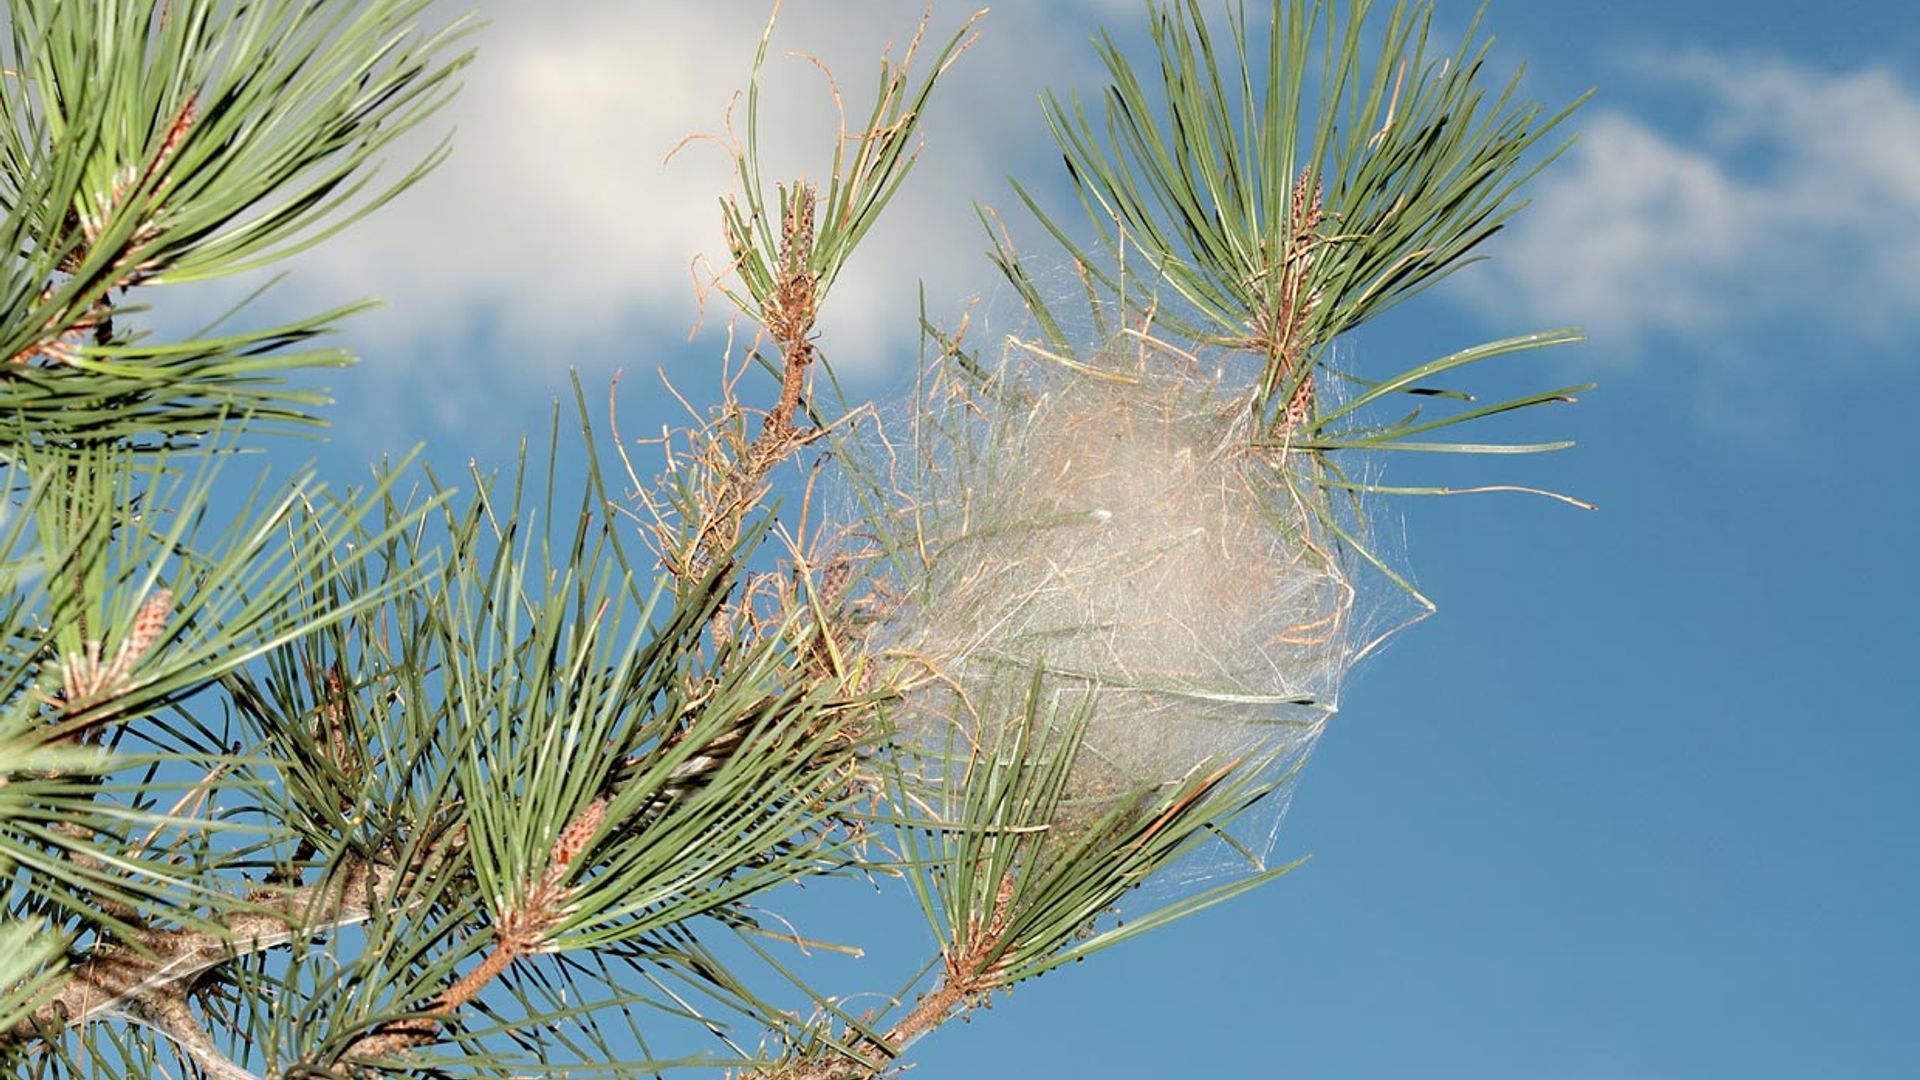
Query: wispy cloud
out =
(1794, 198)
(558, 220)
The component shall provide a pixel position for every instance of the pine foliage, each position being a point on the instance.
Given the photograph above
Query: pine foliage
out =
(437, 777)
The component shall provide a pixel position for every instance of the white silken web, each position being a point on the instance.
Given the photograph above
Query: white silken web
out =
(1099, 532)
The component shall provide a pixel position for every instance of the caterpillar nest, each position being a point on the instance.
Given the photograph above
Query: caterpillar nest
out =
(1101, 539)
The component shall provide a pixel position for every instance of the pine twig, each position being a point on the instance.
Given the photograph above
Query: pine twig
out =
(116, 978)
(519, 930)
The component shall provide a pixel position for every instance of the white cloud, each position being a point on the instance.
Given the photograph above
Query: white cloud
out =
(556, 223)
(1797, 197)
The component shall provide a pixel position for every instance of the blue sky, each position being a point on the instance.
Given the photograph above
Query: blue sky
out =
(1637, 804)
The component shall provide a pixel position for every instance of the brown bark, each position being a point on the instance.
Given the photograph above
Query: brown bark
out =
(166, 963)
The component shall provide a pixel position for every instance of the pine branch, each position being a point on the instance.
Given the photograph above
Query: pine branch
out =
(582, 755)
(170, 1015)
(159, 965)
(971, 974)
(517, 931)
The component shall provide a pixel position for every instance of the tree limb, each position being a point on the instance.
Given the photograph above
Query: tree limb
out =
(121, 979)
